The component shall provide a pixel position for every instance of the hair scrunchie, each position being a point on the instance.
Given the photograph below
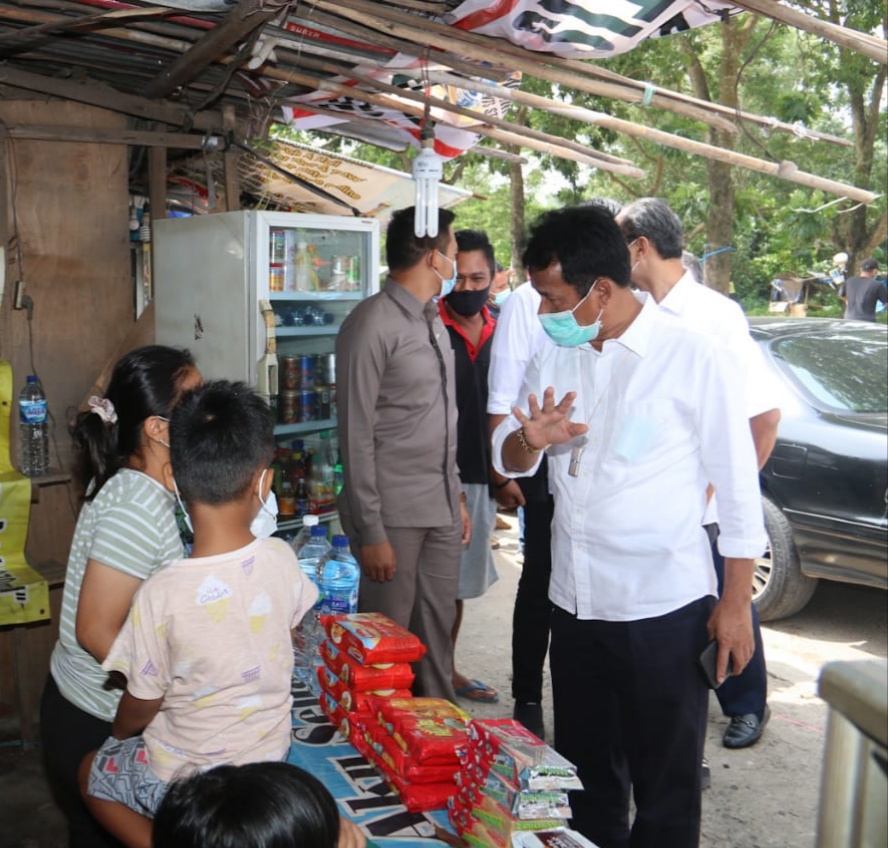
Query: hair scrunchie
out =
(103, 408)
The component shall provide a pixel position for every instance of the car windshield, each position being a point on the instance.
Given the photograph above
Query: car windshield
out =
(841, 372)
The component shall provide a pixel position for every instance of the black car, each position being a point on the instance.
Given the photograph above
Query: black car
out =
(825, 486)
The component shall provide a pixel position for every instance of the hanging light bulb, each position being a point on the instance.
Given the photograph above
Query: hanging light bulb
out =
(427, 172)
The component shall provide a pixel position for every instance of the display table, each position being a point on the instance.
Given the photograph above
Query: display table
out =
(361, 793)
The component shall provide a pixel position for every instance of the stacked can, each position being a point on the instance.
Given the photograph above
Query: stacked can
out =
(289, 398)
(277, 253)
(326, 386)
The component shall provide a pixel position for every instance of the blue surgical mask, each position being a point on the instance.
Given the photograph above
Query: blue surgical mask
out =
(564, 330)
(265, 523)
(501, 297)
(448, 284)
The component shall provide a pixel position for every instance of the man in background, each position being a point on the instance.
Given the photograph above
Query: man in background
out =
(401, 502)
(860, 294)
(471, 329)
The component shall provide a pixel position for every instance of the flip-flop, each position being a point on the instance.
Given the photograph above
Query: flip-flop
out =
(476, 690)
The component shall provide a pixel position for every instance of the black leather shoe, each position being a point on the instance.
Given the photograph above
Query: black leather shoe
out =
(745, 730)
(531, 716)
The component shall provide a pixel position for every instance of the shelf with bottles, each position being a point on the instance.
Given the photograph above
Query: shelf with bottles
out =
(305, 427)
(307, 477)
(318, 262)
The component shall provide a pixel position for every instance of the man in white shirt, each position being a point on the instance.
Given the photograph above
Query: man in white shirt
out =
(655, 237)
(637, 416)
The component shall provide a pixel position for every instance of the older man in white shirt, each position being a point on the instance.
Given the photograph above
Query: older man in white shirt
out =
(655, 237)
(646, 416)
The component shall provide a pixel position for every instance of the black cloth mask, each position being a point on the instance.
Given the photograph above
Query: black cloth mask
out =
(468, 302)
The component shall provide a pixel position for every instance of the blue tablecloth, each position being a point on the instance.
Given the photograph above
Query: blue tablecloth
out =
(362, 795)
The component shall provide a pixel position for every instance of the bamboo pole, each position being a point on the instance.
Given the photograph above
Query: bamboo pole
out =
(542, 142)
(784, 170)
(481, 48)
(584, 75)
(860, 42)
(474, 116)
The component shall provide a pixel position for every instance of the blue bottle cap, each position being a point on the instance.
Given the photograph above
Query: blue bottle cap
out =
(340, 540)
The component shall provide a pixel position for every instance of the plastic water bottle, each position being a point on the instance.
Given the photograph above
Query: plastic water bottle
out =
(339, 579)
(300, 540)
(34, 429)
(309, 633)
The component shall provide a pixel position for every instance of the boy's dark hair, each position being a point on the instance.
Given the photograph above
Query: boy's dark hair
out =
(145, 382)
(220, 435)
(652, 218)
(585, 240)
(403, 249)
(260, 805)
(468, 240)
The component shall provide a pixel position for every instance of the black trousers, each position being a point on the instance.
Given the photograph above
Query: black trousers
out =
(533, 609)
(748, 691)
(68, 734)
(630, 712)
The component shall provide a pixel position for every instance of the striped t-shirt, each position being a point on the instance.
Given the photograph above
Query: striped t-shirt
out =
(129, 526)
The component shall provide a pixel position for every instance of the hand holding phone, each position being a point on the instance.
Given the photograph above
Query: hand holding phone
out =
(707, 661)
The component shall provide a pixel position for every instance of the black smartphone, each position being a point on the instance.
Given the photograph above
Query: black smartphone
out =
(707, 663)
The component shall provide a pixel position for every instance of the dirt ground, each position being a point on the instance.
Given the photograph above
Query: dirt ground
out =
(761, 797)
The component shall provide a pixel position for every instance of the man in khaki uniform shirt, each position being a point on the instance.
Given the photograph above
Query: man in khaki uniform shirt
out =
(401, 502)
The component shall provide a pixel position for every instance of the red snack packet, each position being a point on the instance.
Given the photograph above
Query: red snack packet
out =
(365, 678)
(397, 761)
(420, 797)
(370, 637)
(353, 701)
(396, 711)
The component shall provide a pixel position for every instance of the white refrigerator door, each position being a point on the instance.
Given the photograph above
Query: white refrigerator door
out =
(203, 297)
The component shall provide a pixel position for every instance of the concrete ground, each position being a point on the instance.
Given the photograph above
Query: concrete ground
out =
(761, 797)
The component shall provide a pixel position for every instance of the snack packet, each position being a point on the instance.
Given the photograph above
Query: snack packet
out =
(353, 701)
(508, 748)
(561, 838)
(370, 637)
(399, 762)
(364, 678)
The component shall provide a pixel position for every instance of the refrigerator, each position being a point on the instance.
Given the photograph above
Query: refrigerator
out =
(259, 297)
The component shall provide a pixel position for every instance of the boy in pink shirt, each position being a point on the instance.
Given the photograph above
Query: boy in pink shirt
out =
(207, 648)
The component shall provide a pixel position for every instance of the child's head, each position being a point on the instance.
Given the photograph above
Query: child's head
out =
(145, 386)
(260, 805)
(221, 438)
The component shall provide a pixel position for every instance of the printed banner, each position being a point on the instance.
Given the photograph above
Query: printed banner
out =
(583, 29)
(24, 595)
(361, 794)
(453, 133)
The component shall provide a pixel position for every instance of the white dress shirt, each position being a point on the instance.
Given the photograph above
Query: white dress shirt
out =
(722, 320)
(663, 422)
(519, 336)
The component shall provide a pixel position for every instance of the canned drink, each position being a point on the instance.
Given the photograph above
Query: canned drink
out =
(277, 248)
(307, 405)
(353, 273)
(327, 367)
(322, 402)
(307, 371)
(276, 278)
(289, 406)
(333, 407)
(289, 372)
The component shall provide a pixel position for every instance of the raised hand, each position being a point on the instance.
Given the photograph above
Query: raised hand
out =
(549, 424)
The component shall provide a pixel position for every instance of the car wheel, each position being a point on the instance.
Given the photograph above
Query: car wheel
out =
(779, 589)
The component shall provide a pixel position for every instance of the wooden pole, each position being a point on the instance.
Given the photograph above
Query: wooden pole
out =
(230, 162)
(481, 48)
(860, 42)
(784, 170)
(534, 140)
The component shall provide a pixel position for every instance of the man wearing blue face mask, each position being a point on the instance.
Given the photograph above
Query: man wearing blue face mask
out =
(636, 415)
(401, 503)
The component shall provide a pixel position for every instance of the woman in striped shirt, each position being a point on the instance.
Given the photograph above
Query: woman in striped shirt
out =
(126, 531)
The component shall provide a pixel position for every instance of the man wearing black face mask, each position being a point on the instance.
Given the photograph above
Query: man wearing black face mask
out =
(470, 326)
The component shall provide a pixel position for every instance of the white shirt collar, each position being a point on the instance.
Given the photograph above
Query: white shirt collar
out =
(677, 297)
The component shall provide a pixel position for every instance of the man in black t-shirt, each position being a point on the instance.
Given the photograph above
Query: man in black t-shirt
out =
(470, 325)
(861, 294)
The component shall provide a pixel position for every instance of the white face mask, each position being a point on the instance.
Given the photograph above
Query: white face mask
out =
(262, 526)
(266, 521)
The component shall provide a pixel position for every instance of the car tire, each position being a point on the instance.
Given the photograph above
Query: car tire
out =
(779, 587)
